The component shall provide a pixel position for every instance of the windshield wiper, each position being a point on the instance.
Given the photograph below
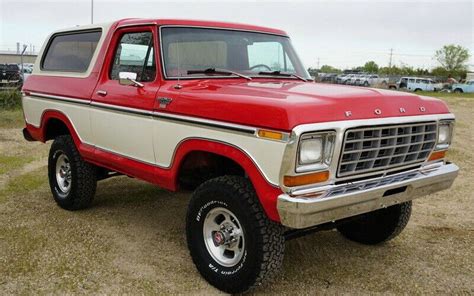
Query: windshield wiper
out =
(211, 71)
(283, 74)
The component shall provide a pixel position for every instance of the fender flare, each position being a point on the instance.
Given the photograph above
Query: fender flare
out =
(267, 193)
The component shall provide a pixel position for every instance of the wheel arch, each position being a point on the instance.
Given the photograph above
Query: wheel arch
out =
(266, 191)
(55, 123)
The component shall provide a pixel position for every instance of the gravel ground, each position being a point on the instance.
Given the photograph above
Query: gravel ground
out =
(132, 240)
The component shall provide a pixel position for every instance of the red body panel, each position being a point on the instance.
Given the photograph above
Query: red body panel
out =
(284, 104)
(279, 104)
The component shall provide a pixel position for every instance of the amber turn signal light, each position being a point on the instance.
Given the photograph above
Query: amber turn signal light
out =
(270, 135)
(291, 181)
(437, 155)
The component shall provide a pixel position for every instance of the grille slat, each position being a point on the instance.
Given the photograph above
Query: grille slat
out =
(377, 148)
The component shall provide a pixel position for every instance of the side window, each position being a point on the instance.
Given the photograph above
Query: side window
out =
(71, 52)
(411, 80)
(135, 53)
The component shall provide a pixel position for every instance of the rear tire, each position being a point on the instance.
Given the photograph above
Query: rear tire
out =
(231, 241)
(418, 89)
(378, 226)
(73, 181)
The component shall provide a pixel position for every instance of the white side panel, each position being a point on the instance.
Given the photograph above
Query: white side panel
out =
(78, 114)
(266, 154)
(150, 139)
(126, 134)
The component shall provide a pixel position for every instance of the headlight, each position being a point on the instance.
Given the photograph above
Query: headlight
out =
(311, 150)
(315, 151)
(445, 133)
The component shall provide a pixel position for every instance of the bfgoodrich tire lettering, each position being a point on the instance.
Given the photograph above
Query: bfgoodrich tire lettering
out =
(264, 242)
(79, 191)
(378, 226)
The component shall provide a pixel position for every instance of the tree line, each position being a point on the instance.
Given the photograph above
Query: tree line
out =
(452, 61)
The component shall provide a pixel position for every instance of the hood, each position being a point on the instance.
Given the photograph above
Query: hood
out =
(282, 105)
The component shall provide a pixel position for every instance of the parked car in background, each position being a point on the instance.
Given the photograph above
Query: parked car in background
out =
(360, 78)
(26, 73)
(327, 77)
(467, 87)
(354, 80)
(400, 84)
(423, 84)
(373, 79)
(348, 78)
(340, 78)
(10, 76)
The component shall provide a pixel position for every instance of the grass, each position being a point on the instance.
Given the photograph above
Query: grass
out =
(445, 94)
(10, 99)
(11, 118)
(23, 184)
(8, 163)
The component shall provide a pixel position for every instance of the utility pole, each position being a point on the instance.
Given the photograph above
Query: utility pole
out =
(92, 11)
(21, 59)
(391, 54)
(318, 64)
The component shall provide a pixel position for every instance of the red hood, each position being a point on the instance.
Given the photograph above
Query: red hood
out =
(283, 105)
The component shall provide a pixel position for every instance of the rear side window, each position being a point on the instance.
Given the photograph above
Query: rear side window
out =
(71, 52)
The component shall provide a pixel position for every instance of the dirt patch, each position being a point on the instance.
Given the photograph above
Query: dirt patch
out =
(132, 240)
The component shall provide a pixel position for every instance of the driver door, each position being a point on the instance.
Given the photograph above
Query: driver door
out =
(121, 114)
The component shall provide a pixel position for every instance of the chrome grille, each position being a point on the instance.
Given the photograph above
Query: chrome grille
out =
(371, 149)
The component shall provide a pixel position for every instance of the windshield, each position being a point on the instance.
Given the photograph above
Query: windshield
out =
(247, 53)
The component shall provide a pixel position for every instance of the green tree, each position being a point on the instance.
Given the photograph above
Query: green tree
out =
(371, 67)
(439, 72)
(329, 69)
(453, 58)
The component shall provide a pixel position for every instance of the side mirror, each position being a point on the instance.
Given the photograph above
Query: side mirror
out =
(129, 78)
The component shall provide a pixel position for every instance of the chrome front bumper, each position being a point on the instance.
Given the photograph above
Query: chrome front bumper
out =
(334, 202)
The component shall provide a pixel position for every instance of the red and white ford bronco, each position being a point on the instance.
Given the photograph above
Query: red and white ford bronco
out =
(229, 110)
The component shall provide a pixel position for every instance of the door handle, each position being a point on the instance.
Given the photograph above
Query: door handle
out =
(102, 93)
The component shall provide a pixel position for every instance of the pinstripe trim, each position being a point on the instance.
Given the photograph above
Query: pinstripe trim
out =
(166, 116)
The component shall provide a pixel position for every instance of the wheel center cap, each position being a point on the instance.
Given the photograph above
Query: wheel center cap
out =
(218, 238)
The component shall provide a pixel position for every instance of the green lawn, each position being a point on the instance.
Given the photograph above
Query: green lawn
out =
(445, 94)
(11, 118)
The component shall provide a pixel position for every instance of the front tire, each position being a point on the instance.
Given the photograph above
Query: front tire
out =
(458, 91)
(73, 181)
(231, 241)
(377, 226)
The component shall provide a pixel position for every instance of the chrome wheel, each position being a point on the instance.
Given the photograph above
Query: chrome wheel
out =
(63, 173)
(224, 237)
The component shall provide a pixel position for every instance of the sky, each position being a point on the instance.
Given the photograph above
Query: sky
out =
(343, 34)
